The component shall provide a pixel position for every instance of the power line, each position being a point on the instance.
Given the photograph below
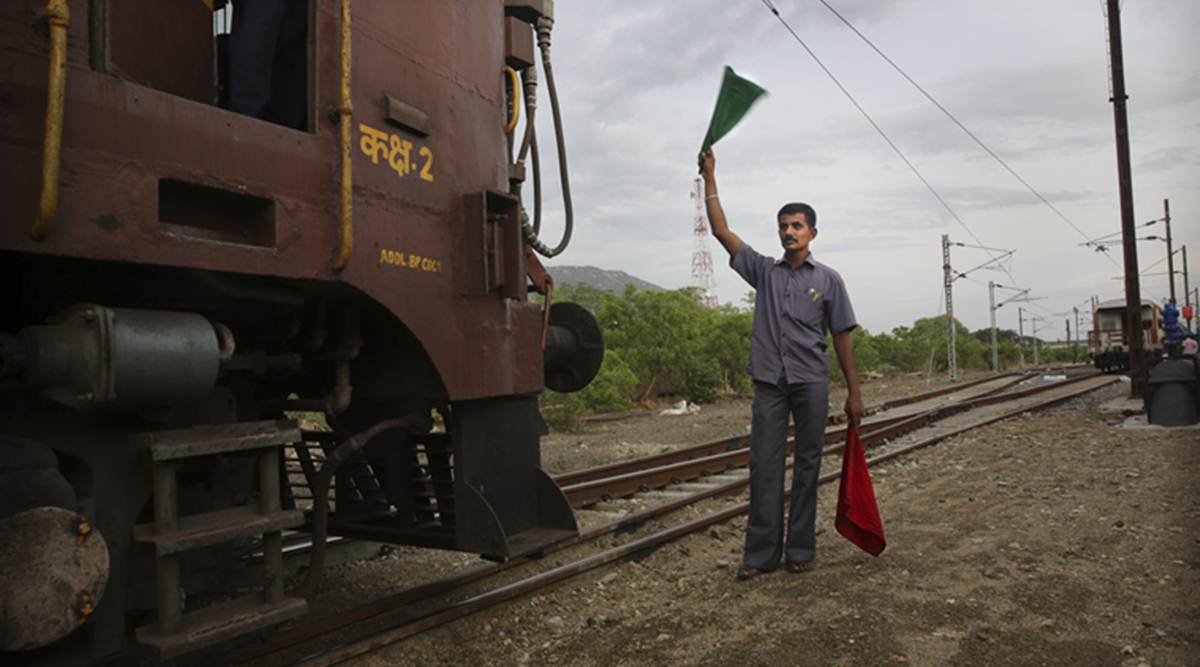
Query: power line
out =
(962, 127)
(769, 5)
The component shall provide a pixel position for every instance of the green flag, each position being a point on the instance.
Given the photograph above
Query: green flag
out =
(735, 99)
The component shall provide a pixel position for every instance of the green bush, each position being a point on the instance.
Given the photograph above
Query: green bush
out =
(661, 344)
(613, 386)
(561, 411)
(703, 380)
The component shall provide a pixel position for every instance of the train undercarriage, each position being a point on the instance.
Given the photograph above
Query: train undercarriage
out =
(158, 447)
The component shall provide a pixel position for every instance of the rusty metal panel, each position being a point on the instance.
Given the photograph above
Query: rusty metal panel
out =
(407, 117)
(24, 28)
(218, 439)
(518, 43)
(167, 46)
(122, 141)
(211, 528)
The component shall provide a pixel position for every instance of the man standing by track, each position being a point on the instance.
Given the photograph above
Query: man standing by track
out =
(797, 301)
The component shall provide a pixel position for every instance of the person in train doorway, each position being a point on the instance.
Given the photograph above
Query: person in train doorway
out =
(798, 300)
(268, 61)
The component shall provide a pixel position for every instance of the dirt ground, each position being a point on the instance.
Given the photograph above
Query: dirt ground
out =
(1055, 538)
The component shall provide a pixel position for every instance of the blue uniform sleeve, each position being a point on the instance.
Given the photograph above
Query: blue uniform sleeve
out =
(750, 265)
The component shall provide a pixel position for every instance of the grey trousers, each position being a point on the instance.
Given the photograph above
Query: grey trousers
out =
(808, 405)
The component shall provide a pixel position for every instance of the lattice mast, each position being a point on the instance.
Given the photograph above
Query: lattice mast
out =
(702, 264)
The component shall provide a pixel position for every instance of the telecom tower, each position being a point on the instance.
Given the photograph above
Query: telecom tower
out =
(702, 266)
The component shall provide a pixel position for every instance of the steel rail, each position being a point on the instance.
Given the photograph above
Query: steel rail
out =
(642, 479)
(917, 398)
(573, 478)
(833, 419)
(417, 623)
(392, 603)
(589, 493)
(307, 631)
(710, 453)
(707, 449)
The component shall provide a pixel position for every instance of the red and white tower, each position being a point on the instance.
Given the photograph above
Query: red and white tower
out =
(702, 264)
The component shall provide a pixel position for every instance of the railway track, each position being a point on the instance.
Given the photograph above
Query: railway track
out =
(584, 488)
(297, 544)
(371, 626)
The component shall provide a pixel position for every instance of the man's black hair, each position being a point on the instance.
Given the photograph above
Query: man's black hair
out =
(810, 215)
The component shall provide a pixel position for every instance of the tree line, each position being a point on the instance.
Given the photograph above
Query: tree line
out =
(666, 344)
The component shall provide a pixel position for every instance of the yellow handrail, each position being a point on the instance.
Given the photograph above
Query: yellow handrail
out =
(516, 101)
(56, 88)
(346, 113)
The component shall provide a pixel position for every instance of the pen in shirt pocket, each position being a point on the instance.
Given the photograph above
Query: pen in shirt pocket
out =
(814, 295)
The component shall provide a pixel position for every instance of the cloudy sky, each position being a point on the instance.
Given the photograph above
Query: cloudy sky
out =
(637, 82)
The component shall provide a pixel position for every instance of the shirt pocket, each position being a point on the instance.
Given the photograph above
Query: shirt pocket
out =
(807, 309)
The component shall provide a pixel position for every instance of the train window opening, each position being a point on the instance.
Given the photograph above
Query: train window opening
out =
(253, 57)
(212, 214)
(264, 59)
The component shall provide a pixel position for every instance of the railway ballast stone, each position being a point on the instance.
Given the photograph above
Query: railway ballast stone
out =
(976, 573)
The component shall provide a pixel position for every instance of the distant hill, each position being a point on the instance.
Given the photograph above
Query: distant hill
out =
(601, 279)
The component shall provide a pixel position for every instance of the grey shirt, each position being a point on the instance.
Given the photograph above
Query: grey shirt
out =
(793, 311)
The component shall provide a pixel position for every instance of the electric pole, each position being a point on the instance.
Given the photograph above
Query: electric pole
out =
(949, 275)
(1195, 303)
(992, 310)
(1078, 326)
(1037, 342)
(1133, 292)
(1187, 290)
(1021, 295)
(1170, 253)
(948, 282)
(1021, 335)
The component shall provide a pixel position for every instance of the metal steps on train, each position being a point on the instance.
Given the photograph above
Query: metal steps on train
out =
(177, 633)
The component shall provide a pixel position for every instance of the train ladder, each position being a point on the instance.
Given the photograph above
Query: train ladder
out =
(177, 633)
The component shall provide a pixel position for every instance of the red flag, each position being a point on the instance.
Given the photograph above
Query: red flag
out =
(857, 514)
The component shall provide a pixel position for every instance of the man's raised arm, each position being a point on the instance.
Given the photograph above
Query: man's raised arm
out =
(712, 204)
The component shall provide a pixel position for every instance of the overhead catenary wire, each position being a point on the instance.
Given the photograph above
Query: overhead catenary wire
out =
(929, 186)
(959, 123)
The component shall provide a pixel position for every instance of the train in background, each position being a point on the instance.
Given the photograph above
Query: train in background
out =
(1107, 346)
(182, 280)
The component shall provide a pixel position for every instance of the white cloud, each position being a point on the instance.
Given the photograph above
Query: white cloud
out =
(637, 82)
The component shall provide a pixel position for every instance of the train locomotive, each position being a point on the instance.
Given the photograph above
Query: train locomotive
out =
(183, 280)
(1107, 346)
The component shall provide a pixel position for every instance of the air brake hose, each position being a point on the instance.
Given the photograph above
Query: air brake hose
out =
(543, 30)
(537, 187)
(529, 74)
(320, 492)
(529, 142)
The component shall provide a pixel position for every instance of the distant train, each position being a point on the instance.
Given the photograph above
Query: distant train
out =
(1107, 344)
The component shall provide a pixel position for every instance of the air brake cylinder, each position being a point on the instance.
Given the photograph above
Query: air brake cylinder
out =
(92, 356)
(574, 347)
